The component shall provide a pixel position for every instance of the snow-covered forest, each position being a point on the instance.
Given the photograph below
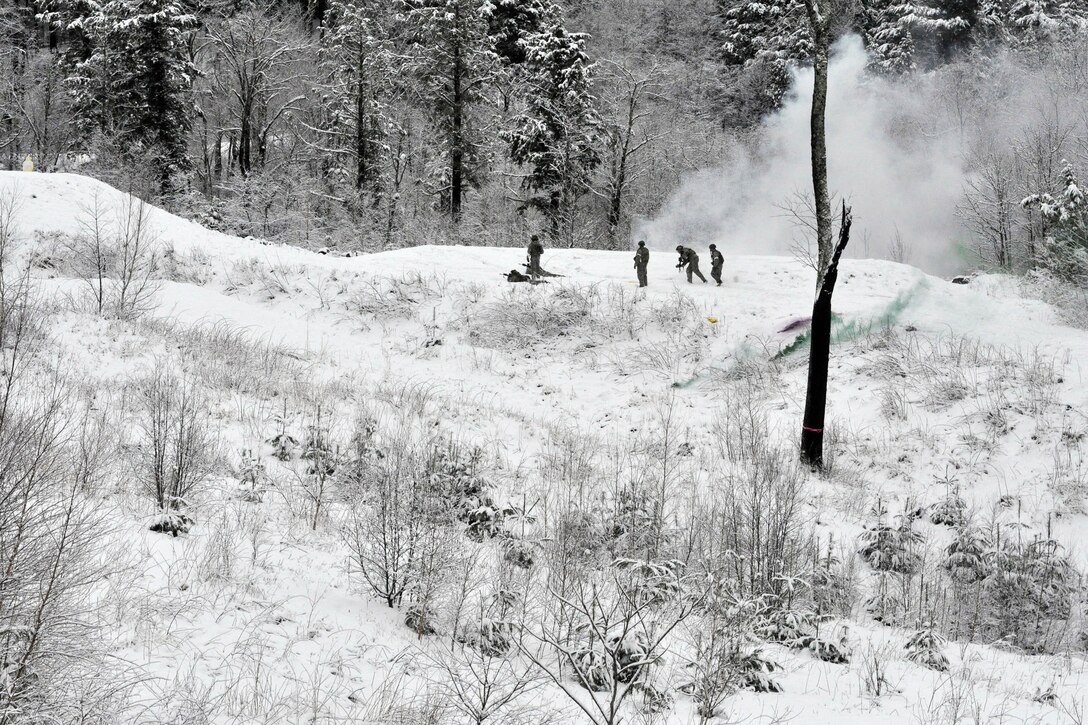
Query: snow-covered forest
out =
(375, 125)
(286, 436)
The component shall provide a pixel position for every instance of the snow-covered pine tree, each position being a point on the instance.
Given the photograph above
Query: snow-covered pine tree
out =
(1034, 20)
(557, 135)
(886, 28)
(1065, 250)
(511, 23)
(770, 33)
(138, 79)
(69, 19)
(356, 54)
(451, 55)
(951, 22)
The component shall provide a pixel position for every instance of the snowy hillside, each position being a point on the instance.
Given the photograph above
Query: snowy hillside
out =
(585, 399)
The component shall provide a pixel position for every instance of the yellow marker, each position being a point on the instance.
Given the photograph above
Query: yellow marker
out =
(712, 320)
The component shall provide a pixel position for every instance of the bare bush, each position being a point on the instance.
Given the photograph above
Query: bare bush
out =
(756, 531)
(380, 298)
(177, 445)
(398, 522)
(524, 317)
(623, 619)
(50, 530)
(117, 256)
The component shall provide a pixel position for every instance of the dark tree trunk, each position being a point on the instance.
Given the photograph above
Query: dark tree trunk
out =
(812, 431)
(457, 151)
(245, 143)
(362, 151)
(615, 201)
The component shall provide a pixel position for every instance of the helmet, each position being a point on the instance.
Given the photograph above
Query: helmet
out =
(712, 246)
(679, 247)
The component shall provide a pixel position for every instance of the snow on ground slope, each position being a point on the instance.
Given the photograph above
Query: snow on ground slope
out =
(257, 617)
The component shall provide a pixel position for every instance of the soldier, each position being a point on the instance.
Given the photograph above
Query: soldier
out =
(716, 263)
(642, 261)
(689, 259)
(536, 249)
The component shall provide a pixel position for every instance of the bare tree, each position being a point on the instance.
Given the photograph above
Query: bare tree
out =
(989, 208)
(623, 618)
(624, 144)
(477, 672)
(828, 252)
(260, 52)
(117, 256)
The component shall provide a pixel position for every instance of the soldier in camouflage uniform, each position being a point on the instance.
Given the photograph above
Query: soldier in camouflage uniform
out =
(536, 250)
(689, 259)
(717, 261)
(642, 261)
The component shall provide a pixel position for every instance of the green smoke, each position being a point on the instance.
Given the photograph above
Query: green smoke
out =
(842, 330)
(847, 330)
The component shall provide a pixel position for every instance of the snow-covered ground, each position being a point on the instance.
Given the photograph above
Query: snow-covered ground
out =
(257, 617)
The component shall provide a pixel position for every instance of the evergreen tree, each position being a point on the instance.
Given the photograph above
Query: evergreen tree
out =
(1065, 251)
(356, 53)
(557, 135)
(887, 35)
(1046, 19)
(511, 24)
(770, 34)
(137, 81)
(952, 23)
(71, 19)
(451, 57)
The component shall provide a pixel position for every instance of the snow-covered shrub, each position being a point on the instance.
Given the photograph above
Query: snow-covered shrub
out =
(117, 256)
(1031, 590)
(487, 520)
(386, 298)
(649, 582)
(421, 619)
(251, 477)
(924, 648)
(171, 522)
(892, 546)
(520, 553)
(833, 585)
(1070, 298)
(592, 669)
(776, 621)
(455, 473)
(321, 461)
(489, 637)
(951, 510)
(723, 655)
(52, 560)
(397, 522)
(621, 659)
(678, 310)
(527, 316)
(966, 557)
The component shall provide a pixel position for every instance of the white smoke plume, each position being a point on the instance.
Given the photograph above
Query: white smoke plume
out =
(900, 179)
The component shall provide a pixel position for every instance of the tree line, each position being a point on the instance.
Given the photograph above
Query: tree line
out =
(377, 124)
